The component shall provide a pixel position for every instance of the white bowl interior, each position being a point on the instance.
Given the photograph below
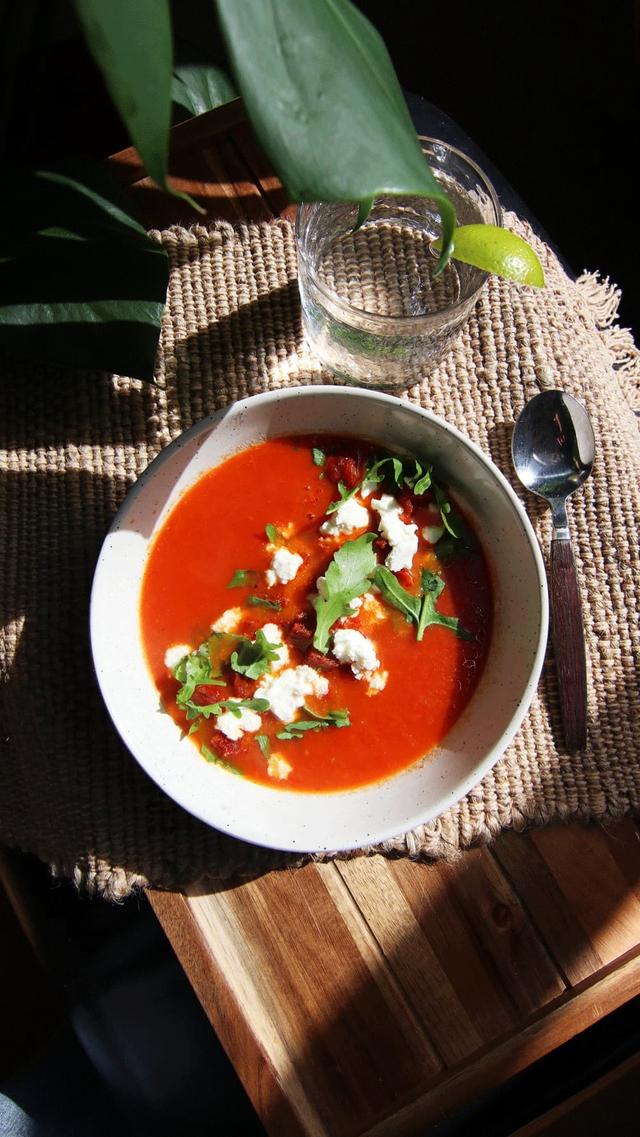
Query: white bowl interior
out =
(334, 821)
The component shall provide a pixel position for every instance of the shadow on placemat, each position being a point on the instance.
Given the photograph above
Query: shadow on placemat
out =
(73, 445)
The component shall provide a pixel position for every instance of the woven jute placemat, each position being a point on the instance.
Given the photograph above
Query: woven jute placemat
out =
(73, 445)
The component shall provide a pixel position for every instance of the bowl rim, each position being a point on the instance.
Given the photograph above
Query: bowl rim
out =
(441, 802)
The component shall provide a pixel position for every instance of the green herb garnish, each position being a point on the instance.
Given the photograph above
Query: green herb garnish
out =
(450, 520)
(421, 609)
(243, 577)
(263, 743)
(319, 456)
(403, 472)
(274, 535)
(300, 727)
(235, 706)
(211, 756)
(432, 587)
(345, 495)
(395, 594)
(194, 669)
(252, 657)
(347, 576)
(262, 602)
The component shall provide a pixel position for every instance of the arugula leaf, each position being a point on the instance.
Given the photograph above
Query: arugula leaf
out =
(296, 729)
(318, 456)
(252, 657)
(401, 471)
(395, 594)
(262, 602)
(421, 610)
(450, 520)
(274, 535)
(345, 495)
(423, 483)
(347, 576)
(264, 744)
(432, 587)
(211, 756)
(219, 646)
(243, 577)
(193, 670)
(235, 706)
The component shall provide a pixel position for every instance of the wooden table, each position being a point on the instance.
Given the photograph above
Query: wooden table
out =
(373, 997)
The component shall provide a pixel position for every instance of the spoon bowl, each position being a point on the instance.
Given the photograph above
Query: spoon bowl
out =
(553, 450)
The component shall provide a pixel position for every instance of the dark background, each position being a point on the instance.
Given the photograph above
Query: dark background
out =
(547, 88)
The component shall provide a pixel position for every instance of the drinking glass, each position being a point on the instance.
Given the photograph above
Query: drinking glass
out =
(373, 311)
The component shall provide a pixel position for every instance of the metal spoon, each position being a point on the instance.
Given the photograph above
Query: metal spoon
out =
(553, 449)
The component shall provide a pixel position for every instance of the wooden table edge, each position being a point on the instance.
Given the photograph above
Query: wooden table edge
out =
(570, 1014)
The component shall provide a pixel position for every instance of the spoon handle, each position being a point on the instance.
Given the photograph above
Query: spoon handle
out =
(568, 643)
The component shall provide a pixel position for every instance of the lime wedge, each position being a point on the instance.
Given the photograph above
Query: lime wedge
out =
(498, 251)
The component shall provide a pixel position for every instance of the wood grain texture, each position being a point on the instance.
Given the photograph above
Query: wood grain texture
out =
(568, 645)
(367, 998)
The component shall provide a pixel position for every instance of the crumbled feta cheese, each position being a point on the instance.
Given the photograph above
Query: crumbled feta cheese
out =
(356, 603)
(288, 690)
(234, 727)
(273, 635)
(174, 655)
(284, 566)
(352, 647)
(228, 621)
(402, 538)
(376, 682)
(278, 767)
(367, 488)
(348, 516)
(432, 533)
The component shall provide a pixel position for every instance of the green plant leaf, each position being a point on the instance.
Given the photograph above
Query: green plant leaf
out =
(81, 284)
(199, 87)
(325, 101)
(132, 45)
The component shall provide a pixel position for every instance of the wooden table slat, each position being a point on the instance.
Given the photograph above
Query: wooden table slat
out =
(595, 888)
(312, 1000)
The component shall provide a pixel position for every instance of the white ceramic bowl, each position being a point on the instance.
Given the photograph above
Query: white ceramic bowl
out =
(281, 818)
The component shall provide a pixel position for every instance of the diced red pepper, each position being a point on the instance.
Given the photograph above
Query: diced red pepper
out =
(207, 693)
(301, 631)
(407, 504)
(225, 747)
(382, 546)
(405, 577)
(345, 469)
(322, 662)
(243, 688)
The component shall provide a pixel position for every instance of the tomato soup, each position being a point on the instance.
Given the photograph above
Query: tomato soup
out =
(316, 613)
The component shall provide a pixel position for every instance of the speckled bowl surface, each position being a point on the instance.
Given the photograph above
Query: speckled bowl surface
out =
(280, 818)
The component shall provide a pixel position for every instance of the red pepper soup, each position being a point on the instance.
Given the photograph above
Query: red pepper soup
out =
(316, 613)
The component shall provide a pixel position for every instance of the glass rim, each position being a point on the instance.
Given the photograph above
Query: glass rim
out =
(405, 321)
